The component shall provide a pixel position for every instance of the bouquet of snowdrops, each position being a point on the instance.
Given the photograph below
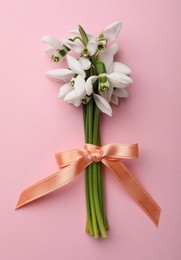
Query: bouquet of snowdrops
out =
(93, 80)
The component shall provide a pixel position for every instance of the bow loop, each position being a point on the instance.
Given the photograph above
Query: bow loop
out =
(120, 151)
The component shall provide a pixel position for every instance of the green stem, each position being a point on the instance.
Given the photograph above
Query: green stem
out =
(89, 227)
(96, 217)
(101, 188)
(100, 181)
(100, 191)
(77, 38)
(96, 183)
(89, 136)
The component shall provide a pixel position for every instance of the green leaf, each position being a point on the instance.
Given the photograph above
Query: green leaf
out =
(83, 35)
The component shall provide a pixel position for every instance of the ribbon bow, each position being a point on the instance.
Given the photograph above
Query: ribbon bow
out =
(73, 162)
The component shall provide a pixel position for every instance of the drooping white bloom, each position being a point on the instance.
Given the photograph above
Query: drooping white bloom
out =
(73, 80)
(75, 66)
(78, 94)
(100, 101)
(85, 51)
(73, 91)
(111, 84)
(56, 50)
(120, 92)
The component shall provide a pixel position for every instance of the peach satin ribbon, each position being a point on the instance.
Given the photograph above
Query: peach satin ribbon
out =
(73, 162)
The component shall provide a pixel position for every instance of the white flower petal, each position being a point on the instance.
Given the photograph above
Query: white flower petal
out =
(74, 65)
(52, 42)
(107, 58)
(56, 54)
(92, 47)
(117, 78)
(85, 63)
(121, 85)
(71, 96)
(120, 67)
(64, 90)
(60, 74)
(114, 48)
(77, 103)
(49, 51)
(89, 84)
(89, 88)
(111, 31)
(72, 45)
(93, 79)
(114, 100)
(122, 93)
(103, 105)
(79, 87)
(107, 94)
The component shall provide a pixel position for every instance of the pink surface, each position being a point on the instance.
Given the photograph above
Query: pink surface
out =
(35, 124)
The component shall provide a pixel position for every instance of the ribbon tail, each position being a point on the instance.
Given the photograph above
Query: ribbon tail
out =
(53, 182)
(133, 187)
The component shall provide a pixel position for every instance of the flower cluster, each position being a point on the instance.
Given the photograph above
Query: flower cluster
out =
(91, 70)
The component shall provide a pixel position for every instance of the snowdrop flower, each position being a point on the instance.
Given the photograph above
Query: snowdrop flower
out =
(85, 51)
(113, 83)
(75, 66)
(110, 32)
(59, 48)
(69, 76)
(73, 91)
(57, 51)
(119, 92)
(78, 94)
(100, 101)
(79, 48)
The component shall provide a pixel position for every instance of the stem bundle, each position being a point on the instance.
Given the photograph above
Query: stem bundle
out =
(94, 182)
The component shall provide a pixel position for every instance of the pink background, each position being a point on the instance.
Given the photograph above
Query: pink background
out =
(35, 124)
